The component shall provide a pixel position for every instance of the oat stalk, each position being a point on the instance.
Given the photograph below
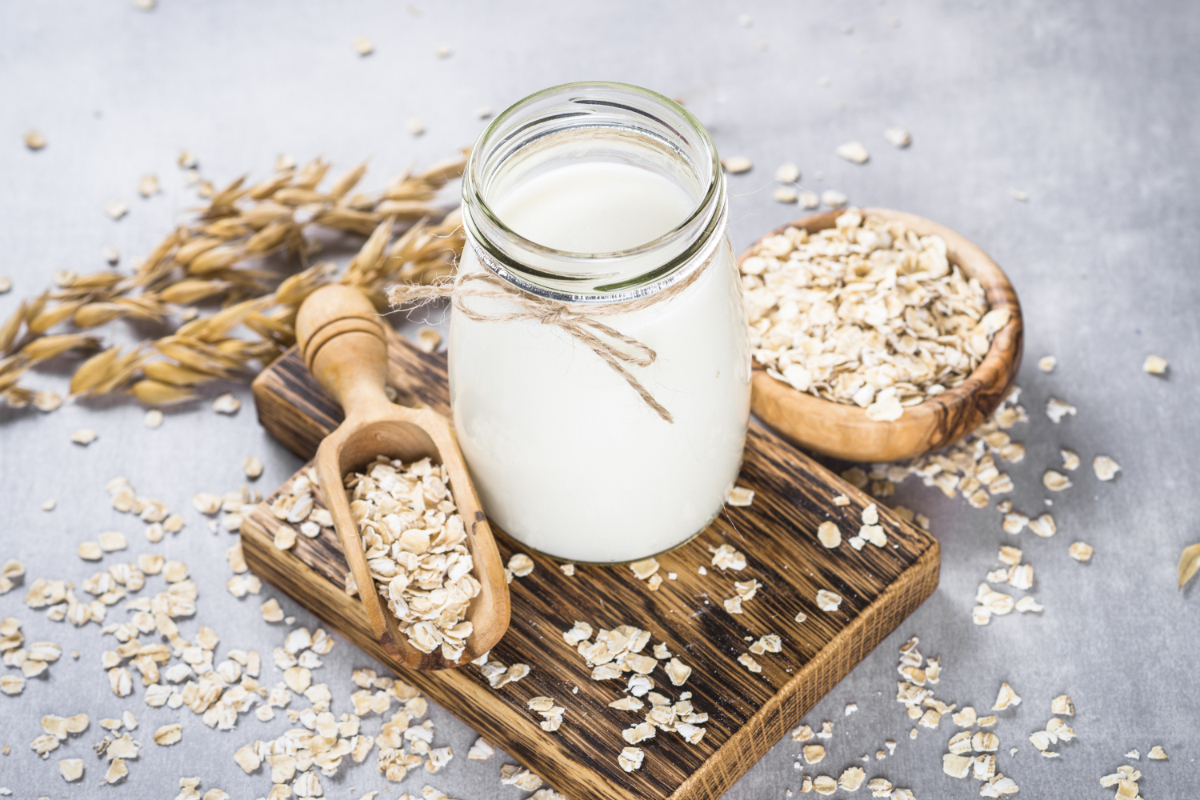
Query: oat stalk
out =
(220, 257)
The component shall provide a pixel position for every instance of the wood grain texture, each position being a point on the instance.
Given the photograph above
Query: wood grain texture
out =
(844, 431)
(341, 339)
(748, 712)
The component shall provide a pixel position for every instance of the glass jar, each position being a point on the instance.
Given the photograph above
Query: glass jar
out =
(596, 197)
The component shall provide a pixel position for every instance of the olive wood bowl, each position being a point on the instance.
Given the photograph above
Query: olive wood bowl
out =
(844, 431)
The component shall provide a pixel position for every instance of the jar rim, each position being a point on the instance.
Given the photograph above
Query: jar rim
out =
(491, 237)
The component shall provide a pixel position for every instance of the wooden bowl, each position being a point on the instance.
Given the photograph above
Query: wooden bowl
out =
(844, 431)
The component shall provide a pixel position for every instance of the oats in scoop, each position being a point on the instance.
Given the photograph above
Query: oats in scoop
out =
(414, 542)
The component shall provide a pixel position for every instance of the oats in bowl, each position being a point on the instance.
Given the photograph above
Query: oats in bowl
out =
(866, 313)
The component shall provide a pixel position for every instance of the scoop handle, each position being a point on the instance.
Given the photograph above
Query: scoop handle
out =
(342, 343)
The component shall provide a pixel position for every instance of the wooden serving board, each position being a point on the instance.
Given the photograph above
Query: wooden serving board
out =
(748, 713)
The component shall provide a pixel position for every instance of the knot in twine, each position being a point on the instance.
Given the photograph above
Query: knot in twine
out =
(527, 307)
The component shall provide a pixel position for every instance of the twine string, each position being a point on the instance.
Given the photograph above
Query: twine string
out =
(584, 327)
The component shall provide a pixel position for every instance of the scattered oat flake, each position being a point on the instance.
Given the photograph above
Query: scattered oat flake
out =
(45, 401)
(1057, 409)
(49, 504)
(252, 467)
(168, 734)
(1105, 468)
(1007, 697)
(630, 758)
(116, 209)
(740, 497)
(1047, 363)
(726, 557)
(1157, 753)
(855, 152)
(645, 568)
(1080, 551)
(428, 340)
(897, 136)
(1155, 365)
(112, 541)
(823, 784)
(1043, 526)
(226, 404)
(1018, 195)
(1062, 705)
(736, 165)
(851, 779)
(520, 564)
(117, 771)
(34, 140)
(787, 173)
(1055, 481)
(363, 46)
(271, 612)
(677, 672)
(415, 126)
(828, 601)
(71, 769)
(84, 436)
(829, 535)
(148, 185)
(809, 200)
(747, 661)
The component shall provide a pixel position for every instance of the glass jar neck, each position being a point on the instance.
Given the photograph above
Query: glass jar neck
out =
(593, 123)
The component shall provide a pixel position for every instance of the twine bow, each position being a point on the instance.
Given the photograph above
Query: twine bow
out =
(530, 308)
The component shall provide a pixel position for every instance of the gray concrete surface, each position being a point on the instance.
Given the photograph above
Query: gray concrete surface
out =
(1089, 107)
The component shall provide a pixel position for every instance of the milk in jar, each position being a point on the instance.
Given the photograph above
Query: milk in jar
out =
(568, 458)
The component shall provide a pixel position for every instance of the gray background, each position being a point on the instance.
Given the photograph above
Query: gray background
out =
(1089, 107)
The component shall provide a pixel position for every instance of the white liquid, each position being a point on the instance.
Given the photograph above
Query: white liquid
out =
(566, 457)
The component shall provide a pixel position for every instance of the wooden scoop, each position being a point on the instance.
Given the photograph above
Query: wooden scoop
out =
(341, 340)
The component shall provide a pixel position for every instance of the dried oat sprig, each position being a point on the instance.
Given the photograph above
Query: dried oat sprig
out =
(219, 257)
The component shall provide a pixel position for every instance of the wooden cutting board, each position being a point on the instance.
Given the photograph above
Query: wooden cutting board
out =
(748, 712)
